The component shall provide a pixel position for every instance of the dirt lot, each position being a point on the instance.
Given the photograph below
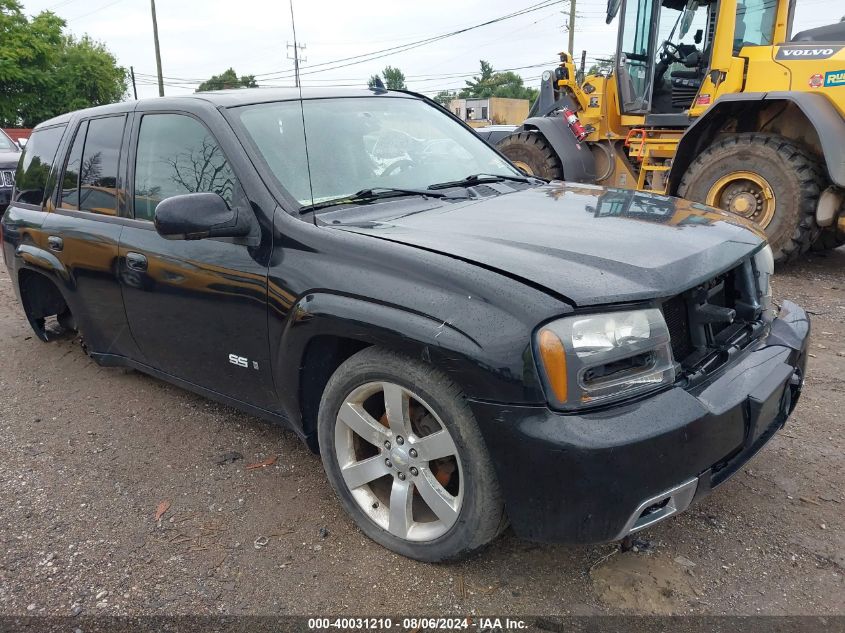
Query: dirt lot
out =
(90, 453)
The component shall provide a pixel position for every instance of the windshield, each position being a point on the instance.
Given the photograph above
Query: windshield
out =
(363, 143)
(672, 23)
(6, 144)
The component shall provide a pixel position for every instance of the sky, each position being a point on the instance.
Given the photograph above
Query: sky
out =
(200, 38)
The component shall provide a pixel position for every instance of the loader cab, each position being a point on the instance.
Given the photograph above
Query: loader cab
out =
(663, 53)
(665, 47)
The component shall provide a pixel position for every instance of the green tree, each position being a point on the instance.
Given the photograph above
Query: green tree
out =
(228, 80)
(394, 79)
(445, 97)
(489, 83)
(481, 85)
(44, 72)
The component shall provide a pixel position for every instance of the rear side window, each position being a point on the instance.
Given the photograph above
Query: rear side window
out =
(98, 168)
(69, 198)
(36, 164)
(178, 155)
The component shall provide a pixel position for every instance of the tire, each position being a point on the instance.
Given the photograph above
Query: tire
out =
(794, 176)
(479, 515)
(532, 153)
(829, 239)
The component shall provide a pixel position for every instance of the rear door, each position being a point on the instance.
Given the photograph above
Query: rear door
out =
(197, 309)
(83, 229)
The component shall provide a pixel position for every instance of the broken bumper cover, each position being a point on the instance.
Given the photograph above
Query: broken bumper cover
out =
(601, 475)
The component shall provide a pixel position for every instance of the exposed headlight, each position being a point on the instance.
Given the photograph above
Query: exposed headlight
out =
(599, 358)
(764, 264)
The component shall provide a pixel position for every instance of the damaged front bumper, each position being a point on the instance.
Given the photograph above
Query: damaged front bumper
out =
(601, 475)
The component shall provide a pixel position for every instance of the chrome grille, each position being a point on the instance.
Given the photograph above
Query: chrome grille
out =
(7, 178)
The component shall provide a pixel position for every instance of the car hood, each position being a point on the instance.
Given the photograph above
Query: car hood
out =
(588, 244)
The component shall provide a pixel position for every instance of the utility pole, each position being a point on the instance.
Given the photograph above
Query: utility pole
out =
(572, 28)
(134, 87)
(297, 57)
(158, 50)
(297, 48)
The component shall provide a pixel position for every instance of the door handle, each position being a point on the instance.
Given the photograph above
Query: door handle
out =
(136, 261)
(55, 242)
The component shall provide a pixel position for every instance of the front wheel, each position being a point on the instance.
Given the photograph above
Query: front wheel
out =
(533, 154)
(402, 451)
(764, 178)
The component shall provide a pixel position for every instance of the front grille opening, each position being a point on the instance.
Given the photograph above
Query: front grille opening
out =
(677, 321)
(708, 322)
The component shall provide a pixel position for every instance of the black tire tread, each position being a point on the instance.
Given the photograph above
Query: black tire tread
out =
(551, 166)
(811, 176)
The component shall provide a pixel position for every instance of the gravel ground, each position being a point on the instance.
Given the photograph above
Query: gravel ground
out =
(91, 455)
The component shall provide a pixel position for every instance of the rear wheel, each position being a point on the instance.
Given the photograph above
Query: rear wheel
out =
(404, 454)
(533, 154)
(766, 179)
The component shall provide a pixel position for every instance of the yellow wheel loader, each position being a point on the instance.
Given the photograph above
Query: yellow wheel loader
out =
(711, 100)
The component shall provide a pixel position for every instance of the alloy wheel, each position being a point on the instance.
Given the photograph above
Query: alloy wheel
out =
(399, 461)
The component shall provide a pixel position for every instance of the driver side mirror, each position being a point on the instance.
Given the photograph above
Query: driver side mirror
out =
(195, 216)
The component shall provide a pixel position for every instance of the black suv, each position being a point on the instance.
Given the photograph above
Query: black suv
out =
(9, 156)
(464, 345)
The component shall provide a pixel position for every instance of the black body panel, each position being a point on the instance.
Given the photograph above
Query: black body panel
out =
(261, 321)
(590, 472)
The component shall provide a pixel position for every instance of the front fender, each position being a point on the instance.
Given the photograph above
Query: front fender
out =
(577, 160)
(479, 373)
(819, 111)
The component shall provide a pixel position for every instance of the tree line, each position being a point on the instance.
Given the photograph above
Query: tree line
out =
(45, 72)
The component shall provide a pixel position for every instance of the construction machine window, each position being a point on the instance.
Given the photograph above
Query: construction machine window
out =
(684, 45)
(755, 23)
(635, 56)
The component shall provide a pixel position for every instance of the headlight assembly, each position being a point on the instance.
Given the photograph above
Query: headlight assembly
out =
(600, 358)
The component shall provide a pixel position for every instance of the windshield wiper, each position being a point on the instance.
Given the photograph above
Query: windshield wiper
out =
(478, 179)
(379, 193)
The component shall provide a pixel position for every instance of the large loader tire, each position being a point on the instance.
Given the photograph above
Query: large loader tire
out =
(533, 154)
(765, 178)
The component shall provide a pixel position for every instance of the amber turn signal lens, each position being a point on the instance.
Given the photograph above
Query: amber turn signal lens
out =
(554, 362)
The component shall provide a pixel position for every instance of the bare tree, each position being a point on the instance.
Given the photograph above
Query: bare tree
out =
(203, 169)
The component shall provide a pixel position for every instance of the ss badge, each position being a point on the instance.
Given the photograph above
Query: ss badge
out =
(240, 361)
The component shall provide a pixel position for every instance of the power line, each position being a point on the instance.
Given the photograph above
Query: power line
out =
(85, 15)
(380, 54)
